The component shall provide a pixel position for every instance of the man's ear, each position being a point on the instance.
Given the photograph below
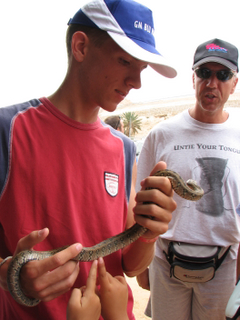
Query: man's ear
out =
(80, 43)
(235, 81)
(193, 79)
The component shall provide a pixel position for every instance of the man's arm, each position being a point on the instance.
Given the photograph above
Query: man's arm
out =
(160, 205)
(238, 263)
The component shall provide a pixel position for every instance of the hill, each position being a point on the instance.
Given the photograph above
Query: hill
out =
(152, 112)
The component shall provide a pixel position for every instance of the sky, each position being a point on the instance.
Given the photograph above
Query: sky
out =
(33, 59)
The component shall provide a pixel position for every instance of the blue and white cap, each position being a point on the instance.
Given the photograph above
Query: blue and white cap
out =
(130, 25)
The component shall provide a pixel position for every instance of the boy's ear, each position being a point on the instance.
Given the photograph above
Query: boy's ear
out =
(80, 42)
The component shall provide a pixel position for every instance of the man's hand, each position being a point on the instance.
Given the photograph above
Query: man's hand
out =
(143, 279)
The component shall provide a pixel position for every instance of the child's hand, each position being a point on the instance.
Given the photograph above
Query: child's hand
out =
(84, 303)
(113, 294)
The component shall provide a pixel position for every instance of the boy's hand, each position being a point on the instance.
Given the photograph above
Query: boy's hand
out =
(48, 278)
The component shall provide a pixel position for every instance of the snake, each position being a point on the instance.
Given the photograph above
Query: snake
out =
(188, 190)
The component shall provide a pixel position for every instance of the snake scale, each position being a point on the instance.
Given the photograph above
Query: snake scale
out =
(189, 190)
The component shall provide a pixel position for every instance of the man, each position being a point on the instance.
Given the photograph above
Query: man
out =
(116, 122)
(202, 143)
(53, 191)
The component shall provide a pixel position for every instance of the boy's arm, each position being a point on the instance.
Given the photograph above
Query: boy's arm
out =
(48, 278)
(138, 255)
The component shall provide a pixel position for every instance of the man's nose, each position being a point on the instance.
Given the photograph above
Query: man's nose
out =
(212, 81)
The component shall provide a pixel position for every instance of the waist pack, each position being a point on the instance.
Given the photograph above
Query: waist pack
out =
(194, 263)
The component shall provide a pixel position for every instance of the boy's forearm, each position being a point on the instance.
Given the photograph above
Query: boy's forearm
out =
(137, 257)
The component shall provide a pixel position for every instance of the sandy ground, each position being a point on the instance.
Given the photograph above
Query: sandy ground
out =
(140, 299)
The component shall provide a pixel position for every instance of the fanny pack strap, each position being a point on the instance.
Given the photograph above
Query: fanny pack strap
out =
(218, 261)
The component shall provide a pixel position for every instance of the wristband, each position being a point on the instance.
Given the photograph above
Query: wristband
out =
(148, 240)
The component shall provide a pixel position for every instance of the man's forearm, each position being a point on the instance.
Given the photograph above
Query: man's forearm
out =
(238, 263)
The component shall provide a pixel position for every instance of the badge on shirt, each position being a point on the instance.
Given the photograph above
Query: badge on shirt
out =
(111, 183)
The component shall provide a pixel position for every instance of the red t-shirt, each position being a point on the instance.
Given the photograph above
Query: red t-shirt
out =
(71, 177)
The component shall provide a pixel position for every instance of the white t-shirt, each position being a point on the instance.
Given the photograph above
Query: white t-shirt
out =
(210, 155)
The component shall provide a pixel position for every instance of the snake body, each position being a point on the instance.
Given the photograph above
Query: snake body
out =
(189, 191)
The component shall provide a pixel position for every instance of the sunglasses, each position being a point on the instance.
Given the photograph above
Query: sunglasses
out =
(222, 75)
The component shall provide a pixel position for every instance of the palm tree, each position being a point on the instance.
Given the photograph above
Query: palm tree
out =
(131, 123)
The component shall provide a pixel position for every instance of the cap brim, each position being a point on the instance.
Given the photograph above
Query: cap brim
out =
(156, 61)
(219, 60)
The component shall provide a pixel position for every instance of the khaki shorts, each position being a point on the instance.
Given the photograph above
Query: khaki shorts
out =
(173, 299)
